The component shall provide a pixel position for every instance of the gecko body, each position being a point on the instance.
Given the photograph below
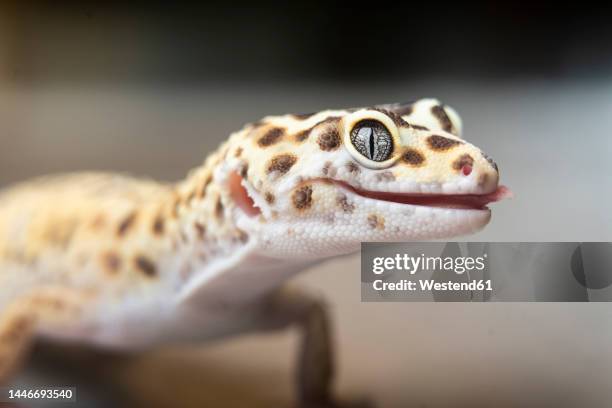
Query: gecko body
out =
(121, 262)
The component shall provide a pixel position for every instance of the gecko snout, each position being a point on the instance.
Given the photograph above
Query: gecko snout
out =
(484, 170)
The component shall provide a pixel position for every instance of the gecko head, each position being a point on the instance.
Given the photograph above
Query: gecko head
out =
(321, 184)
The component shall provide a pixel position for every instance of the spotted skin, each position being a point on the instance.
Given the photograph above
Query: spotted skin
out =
(270, 137)
(131, 263)
(413, 157)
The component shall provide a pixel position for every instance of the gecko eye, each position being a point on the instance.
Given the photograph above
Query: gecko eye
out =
(372, 139)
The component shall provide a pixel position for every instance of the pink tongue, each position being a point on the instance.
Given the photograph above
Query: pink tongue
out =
(477, 200)
(499, 194)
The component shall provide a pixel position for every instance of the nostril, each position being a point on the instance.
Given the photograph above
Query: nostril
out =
(464, 164)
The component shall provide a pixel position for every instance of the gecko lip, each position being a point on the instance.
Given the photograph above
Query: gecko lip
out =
(455, 201)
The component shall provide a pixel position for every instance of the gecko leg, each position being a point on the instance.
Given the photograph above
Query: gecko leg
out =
(315, 368)
(16, 327)
(20, 321)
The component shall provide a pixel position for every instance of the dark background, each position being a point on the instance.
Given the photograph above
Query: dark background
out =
(379, 41)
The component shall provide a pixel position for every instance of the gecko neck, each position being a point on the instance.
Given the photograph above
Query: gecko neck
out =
(206, 216)
(217, 246)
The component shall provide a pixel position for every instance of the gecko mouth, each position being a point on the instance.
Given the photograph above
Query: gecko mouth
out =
(456, 201)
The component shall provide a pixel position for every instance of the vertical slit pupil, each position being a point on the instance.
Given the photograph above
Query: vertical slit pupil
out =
(371, 140)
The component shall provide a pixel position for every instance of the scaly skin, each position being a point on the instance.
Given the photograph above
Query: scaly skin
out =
(122, 262)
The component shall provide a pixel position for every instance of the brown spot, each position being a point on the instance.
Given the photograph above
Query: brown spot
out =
(238, 152)
(305, 134)
(419, 127)
(219, 208)
(376, 222)
(440, 114)
(397, 119)
(482, 180)
(270, 137)
(405, 109)
(353, 168)
(200, 230)
(343, 202)
(126, 224)
(111, 262)
(463, 160)
(441, 143)
(270, 198)
(413, 157)
(145, 265)
(302, 135)
(325, 169)
(244, 170)
(241, 236)
(158, 225)
(281, 163)
(302, 197)
(385, 176)
(329, 139)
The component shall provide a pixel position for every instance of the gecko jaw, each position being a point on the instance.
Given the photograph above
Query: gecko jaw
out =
(451, 201)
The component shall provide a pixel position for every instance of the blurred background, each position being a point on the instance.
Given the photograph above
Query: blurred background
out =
(151, 90)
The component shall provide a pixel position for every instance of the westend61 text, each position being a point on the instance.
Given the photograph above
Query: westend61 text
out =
(432, 285)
